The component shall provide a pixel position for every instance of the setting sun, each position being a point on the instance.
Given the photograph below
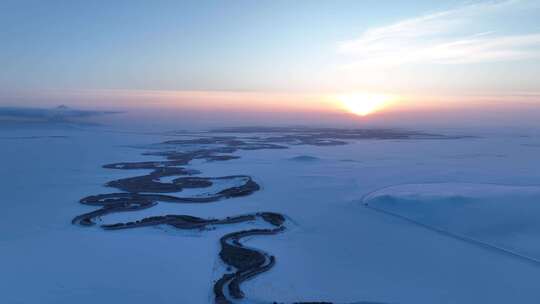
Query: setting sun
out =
(363, 104)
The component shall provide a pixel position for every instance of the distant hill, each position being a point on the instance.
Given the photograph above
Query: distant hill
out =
(61, 113)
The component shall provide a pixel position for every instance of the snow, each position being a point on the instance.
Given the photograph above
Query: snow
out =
(504, 217)
(335, 248)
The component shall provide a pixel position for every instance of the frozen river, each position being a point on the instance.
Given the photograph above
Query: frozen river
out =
(334, 249)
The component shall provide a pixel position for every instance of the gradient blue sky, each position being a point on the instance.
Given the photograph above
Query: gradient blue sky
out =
(416, 48)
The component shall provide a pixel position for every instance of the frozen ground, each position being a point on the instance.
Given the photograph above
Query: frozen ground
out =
(502, 217)
(337, 249)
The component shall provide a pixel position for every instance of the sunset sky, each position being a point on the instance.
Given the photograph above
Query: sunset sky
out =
(357, 56)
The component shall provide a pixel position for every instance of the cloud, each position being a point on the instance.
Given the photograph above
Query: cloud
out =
(468, 34)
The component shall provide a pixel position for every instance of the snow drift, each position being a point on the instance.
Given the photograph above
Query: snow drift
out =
(501, 217)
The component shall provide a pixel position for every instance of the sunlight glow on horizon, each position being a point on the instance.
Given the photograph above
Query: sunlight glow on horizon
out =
(363, 104)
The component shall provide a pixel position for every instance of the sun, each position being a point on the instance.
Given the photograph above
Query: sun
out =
(363, 104)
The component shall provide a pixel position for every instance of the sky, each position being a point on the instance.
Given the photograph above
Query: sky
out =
(277, 56)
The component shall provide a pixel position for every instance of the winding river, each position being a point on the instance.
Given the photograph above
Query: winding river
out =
(146, 191)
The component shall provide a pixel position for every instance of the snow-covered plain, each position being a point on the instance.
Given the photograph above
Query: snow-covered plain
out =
(336, 249)
(502, 217)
